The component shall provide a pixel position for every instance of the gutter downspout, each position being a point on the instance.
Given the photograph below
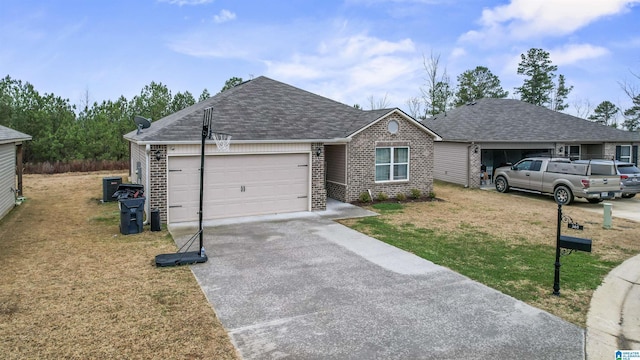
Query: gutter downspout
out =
(468, 160)
(147, 184)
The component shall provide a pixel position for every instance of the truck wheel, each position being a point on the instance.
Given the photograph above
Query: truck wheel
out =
(501, 184)
(628, 196)
(563, 195)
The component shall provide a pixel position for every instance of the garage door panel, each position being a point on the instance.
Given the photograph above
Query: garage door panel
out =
(239, 185)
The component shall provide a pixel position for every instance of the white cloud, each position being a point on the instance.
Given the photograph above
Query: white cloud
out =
(186, 2)
(523, 19)
(572, 53)
(224, 16)
(352, 68)
(458, 52)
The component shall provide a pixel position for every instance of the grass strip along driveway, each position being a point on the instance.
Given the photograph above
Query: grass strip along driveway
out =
(507, 242)
(71, 286)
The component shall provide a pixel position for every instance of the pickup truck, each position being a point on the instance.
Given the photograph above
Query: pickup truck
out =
(563, 178)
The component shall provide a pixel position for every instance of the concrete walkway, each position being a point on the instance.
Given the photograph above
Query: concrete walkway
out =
(613, 322)
(305, 287)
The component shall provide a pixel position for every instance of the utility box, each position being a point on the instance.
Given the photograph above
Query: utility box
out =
(155, 220)
(131, 215)
(109, 187)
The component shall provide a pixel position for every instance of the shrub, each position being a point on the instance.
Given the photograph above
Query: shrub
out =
(364, 197)
(401, 197)
(416, 193)
(432, 195)
(382, 196)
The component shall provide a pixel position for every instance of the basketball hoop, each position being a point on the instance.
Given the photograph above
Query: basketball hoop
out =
(222, 141)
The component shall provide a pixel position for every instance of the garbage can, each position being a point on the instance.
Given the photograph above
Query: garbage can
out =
(109, 187)
(131, 215)
(155, 220)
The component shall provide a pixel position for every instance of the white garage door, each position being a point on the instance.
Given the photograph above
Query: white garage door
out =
(238, 185)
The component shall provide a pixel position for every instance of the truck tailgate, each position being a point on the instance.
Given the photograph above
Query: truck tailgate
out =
(602, 183)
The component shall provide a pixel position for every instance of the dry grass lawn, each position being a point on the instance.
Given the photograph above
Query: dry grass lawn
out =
(521, 219)
(71, 286)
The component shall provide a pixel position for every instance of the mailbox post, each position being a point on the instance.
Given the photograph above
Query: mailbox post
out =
(570, 243)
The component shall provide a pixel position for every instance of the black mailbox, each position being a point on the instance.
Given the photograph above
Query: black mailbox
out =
(575, 243)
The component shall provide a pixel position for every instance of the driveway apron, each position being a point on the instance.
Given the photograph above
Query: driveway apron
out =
(310, 288)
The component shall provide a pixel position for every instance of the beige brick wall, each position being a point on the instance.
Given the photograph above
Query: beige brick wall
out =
(361, 159)
(157, 197)
(318, 190)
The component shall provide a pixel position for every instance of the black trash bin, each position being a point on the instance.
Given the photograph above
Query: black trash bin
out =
(131, 215)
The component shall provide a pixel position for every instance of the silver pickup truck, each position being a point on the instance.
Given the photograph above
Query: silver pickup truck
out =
(564, 179)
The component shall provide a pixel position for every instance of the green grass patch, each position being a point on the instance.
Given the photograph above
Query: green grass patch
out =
(386, 207)
(517, 270)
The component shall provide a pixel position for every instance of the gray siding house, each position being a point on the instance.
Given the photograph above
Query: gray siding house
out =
(290, 150)
(10, 174)
(494, 132)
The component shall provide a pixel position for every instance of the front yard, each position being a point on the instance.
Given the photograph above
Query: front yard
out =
(72, 287)
(507, 241)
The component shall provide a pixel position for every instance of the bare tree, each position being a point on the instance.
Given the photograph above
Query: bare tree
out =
(381, 103)
(436, 93)
(582, 107)
(415, 107)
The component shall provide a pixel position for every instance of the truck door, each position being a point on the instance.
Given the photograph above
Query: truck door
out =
(519, 176)
(535, 176)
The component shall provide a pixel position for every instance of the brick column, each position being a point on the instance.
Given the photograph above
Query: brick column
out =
(318, 190)
(157, 195)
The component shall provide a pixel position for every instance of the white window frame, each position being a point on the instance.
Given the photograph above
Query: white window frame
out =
(626, 158)
(392, 164)
(570, 155)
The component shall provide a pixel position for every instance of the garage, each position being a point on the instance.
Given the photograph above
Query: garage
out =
(238, 185)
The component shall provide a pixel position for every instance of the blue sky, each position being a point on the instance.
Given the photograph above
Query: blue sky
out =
(350, 50)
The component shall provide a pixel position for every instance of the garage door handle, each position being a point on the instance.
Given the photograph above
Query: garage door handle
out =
(305, 165)
(174, 170)
(175, 206)
(302, 197)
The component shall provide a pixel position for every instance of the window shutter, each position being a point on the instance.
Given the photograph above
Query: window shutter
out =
(634, 154)
(618, 151)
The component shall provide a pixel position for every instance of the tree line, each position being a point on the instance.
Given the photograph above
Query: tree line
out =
(61, 132)
(541, 86)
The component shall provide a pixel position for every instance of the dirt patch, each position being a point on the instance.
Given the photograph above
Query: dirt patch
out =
(71, 286)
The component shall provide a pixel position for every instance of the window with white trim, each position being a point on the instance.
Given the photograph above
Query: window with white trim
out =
(392, 164)
(625, 153)
(572, 152)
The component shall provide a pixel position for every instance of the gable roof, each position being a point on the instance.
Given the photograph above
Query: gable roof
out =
(510, 120)
(8, 135)
(263, 109)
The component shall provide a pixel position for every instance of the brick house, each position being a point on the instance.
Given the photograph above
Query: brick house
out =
(290, 150)
(499, 131)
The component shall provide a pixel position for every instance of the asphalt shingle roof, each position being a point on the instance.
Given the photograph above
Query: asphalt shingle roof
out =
(263, 109)
(509, 120)
(9, 135)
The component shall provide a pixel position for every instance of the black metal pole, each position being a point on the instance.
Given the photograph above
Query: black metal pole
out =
(556, 279)
(205, 133)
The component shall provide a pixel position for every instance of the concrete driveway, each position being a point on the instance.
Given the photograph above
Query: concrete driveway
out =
(622, 208)
(306, 287)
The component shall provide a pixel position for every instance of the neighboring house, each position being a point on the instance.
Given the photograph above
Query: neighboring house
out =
(290, 150)
(494, 132)
(10, 174)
